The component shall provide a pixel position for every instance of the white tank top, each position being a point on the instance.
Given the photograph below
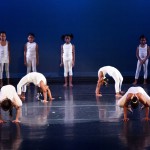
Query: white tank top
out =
(67, 51)
(4, 57)
(31, 49)
(143, 51)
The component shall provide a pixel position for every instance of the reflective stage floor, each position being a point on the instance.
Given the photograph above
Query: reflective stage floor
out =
(75, 120)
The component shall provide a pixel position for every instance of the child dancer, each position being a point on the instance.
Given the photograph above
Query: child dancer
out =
(142, 54)
(115, 74)
(67, 58)
(8, 100)
(4, 56)
(132, 97)
(37, 79)
(31, 56)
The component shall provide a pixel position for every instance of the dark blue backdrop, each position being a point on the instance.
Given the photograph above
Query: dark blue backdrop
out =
(106, 32)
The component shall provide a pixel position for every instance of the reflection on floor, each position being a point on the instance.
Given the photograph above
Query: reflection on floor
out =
(76, 119)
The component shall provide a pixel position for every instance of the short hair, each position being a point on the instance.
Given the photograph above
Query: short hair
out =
(6, 104)
(142, 37)
(2, 32)
(70, 35)
(31, 34)
(134, 102)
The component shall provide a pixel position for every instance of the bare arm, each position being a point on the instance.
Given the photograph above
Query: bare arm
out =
(1, 119)
(18, 111)
(73, 55)
(37, 55)
(25, 52)
(148, 53)
(9, 51)
(137, 54)
(125, 107)
(99, 84)
(61, 56)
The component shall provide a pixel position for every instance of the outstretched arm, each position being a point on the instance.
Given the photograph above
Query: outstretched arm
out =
(18, 111)
(1, 119)
(125, 107)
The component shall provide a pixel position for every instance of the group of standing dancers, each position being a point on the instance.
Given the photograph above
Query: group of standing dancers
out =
(10, 98)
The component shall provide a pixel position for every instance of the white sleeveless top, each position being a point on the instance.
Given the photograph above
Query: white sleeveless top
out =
(143, 51)
(67, 51)
(4, 57)
(31, 49)
(134, 90)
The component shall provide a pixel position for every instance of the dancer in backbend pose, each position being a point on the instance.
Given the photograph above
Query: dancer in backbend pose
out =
(37, 79)
(131, 99)
(115, 74)
(8, 100)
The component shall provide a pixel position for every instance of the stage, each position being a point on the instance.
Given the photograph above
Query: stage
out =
(75, 120)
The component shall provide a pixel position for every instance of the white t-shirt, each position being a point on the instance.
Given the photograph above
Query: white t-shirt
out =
(133, 90)
(9, 91)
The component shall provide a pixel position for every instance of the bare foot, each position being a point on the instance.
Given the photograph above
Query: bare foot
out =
(65, 85)
(118, 95)
(71, 85)
(98, 94)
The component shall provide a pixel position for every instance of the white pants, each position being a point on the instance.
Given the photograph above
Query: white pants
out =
(31, 62)
(6, 69)
(118, 81)
(67, 68)
(21, 86)
(138, 69)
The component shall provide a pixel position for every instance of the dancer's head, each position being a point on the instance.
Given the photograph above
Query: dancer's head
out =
(3, 36)
(134, 102)
(143, 39)
(67, 37)
(31, 37)
(6, 104)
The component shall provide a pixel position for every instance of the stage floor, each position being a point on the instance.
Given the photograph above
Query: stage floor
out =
(75, 120)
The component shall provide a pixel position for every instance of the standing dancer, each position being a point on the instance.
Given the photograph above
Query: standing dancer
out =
(4, 56)
(115, 74)
(142, 54)
(37, 79)
(67, 58)
(31, 55)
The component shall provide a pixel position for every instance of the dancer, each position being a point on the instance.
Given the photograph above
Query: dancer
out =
(31, 55)
(67, 58)
(142, 54)
(37, 79)
(115, 74)
(4, 56)
(8, 100)
(131, 99)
